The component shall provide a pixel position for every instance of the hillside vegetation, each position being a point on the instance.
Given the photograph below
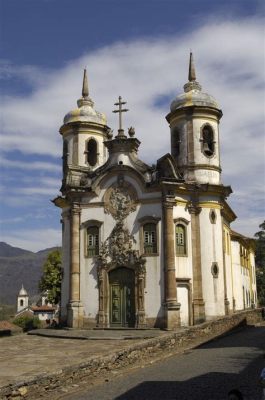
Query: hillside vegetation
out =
(17, 267)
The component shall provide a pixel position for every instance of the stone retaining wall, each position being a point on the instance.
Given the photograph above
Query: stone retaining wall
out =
(173, 342)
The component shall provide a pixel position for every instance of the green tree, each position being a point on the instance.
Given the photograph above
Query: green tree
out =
(260, 263)
(52, 277)
(27, 323)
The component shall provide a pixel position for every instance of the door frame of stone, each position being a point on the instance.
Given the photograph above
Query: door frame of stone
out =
(104, 293)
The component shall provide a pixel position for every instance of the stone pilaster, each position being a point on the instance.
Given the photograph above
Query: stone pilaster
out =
(141, 322)
(172, 306)
(226, 301)
(75, 308)
(198, 302)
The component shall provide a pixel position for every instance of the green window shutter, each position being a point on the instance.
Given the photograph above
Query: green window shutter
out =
(150, 240)
(92, 241)
(181, 246)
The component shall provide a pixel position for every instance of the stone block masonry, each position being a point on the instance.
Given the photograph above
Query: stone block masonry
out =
(45, 386)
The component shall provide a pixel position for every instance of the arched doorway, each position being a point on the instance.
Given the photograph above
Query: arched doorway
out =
(122, 297)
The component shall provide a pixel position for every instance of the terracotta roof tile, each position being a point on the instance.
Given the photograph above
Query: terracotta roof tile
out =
(4, 325)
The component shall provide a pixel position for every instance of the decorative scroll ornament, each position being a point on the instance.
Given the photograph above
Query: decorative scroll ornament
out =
(117, 250)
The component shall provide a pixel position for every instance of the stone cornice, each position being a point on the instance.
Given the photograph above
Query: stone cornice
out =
(75, 127)
(227, 212)
(244, 240)
(201, 166)
(127, 145)
(191, 110)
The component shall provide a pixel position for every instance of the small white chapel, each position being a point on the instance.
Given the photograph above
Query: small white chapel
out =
(149, 246)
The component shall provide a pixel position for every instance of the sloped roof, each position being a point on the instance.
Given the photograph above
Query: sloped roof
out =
(6, 325)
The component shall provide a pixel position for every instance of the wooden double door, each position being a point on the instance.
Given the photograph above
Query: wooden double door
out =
(122, 297)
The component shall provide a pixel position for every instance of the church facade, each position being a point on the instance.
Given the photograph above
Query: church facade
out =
(149, 246)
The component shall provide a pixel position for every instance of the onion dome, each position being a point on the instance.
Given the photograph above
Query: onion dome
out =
(23, 291)
(85, 111)
(193, 95)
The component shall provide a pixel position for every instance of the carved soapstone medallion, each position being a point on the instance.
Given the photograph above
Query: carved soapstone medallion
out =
(120, 199)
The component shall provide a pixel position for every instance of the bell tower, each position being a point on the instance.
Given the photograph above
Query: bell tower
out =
(22, 299)
(84, 132)
(194, 124)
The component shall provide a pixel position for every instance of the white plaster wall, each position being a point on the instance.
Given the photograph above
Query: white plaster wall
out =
(228, 267)
(229, 279)
(25, 303)
(212, 251)
(237, 275)
(202, 175)
(205, 175)
(183, 299)
(140, 190)
(254, 282)
(44, 316)
(154, 291)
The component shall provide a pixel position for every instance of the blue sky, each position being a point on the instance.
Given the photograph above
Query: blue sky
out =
(137, 49)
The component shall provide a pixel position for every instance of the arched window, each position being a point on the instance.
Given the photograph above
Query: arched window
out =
(150, 238)
(91, 152)
(208, 147)
(21, 303)
(181, 241)
(92, 241)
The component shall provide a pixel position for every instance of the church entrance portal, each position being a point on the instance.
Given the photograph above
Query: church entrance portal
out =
(122, 297)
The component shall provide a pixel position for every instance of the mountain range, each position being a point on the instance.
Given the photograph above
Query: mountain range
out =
(17, 267)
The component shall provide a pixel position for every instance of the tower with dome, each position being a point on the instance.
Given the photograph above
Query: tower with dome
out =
(149, 246)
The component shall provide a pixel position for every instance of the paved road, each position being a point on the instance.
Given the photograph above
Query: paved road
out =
(206, 373)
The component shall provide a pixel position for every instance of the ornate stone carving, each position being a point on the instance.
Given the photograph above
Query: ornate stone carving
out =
(118, 251)
(120, 199)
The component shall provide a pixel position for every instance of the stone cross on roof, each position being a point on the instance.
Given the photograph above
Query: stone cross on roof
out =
(120, 111)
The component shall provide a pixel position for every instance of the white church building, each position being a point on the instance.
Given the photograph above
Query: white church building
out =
(149, 246)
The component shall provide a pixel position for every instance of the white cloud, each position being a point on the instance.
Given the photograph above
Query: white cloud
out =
(33, 165)
(33, 239)
(229, 57)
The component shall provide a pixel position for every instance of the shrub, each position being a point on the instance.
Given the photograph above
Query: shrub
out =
(27, 322)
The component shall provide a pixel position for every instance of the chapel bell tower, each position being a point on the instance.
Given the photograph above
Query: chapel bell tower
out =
(22, 299)
(194, 123)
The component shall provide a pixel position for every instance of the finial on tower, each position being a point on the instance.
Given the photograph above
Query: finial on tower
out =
(85, 86)
(85, 99)
(192, 84)
(192, 73)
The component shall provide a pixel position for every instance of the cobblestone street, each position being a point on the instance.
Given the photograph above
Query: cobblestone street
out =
(205, 373)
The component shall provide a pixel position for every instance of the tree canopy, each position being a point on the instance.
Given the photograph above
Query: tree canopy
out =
(260, 263)
(50, 281)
